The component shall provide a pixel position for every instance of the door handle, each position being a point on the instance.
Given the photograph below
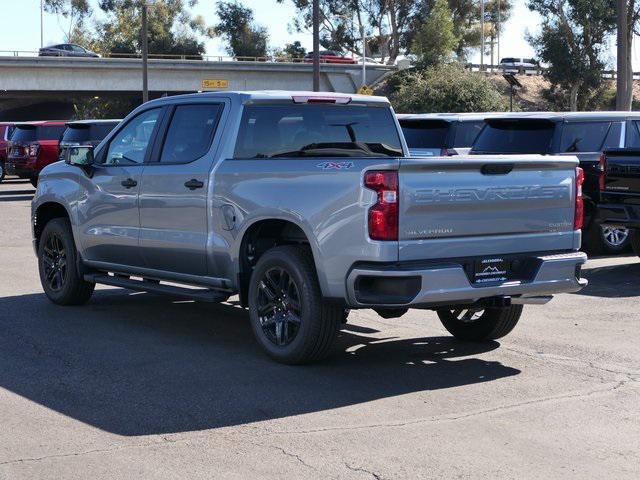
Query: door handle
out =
(193, 184)
(129, 183)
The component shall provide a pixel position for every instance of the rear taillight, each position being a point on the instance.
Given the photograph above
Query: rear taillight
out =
(578, 221)
(34, 148)
(602, 172)
(383, 216)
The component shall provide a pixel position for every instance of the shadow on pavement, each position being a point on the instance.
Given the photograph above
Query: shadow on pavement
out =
(138, 364)
(17, 194)
(615, 281)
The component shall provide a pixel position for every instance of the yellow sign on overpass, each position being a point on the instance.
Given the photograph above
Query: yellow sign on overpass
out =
(214, 84)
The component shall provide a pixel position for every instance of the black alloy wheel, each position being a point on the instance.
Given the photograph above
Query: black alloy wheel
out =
(279, 308)
(55, 262)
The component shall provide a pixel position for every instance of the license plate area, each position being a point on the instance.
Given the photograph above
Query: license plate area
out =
(491, 270)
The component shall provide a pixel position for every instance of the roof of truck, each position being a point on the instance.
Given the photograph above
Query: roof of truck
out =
(277, 95)
(40, 123)
(93, 122)
(453, 117)
(561, 116)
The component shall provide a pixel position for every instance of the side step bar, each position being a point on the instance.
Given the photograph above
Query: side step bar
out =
(201, 294)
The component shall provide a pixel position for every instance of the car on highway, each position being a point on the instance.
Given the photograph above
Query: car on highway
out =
(6, 129)
(581, 134)
(85, 132)
(330, 56)
(435, 134)
(66, 50)
(519, 65)
(306, 205)
(33, 146)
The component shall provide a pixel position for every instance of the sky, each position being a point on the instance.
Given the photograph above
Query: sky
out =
(21, 27)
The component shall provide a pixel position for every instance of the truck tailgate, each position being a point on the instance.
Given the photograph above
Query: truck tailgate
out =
(453, 207)
(622, 184)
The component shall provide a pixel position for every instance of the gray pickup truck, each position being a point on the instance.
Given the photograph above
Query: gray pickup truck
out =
(307, 206)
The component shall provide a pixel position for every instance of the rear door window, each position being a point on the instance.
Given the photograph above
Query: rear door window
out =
(633, 134)
(515, 136)
(583, 136)
(613, 136)
(190, 133)
(317, 130)
(466, 133)
(425, 133)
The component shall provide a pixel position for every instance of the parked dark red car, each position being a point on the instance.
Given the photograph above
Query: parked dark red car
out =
(6, 129)
(34, 145)
(329, 56)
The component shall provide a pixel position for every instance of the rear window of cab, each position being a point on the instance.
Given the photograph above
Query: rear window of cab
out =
(317, 130)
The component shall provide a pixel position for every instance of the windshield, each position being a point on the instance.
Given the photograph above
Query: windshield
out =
(515, 136)
(425, 133)
(268, 131)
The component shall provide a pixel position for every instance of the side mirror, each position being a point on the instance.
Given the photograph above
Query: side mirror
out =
(79, 156)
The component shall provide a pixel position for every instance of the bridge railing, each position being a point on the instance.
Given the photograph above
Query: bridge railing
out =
(156, 56)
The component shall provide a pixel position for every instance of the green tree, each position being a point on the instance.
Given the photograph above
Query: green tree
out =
(445, 88)
(572, 40)
(294, 50)
(236, 25)
(435, 41)
(172, 29)
(342, 23)
(75, 12)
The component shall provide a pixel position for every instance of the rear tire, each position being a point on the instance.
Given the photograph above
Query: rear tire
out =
(289, 317)
(2, 171)
(57, 264)
(606, 239)
(482, 325)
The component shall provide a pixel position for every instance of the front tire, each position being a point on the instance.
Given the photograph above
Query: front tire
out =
(480, 325)
(289, 317)
(2, 171)
(57, 261)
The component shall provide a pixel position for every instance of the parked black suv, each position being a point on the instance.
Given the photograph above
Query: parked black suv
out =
(583, 134)
(434, 134)
(85, 132)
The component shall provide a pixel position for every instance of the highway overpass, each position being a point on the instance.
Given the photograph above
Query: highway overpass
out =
(32, 81)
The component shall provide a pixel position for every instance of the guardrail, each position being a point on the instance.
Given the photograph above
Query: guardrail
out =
(500, 69)
(200, 58)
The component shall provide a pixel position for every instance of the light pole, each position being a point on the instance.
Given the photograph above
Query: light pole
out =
(498, 30)
(316, 45)
(145, 50)
(364, 57)
(481, 35)
(41, 23)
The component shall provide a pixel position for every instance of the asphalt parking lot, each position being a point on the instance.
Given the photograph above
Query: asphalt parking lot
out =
(139, 386)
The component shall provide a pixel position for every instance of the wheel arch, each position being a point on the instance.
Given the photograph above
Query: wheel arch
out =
(264, 233)
(43, 214)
